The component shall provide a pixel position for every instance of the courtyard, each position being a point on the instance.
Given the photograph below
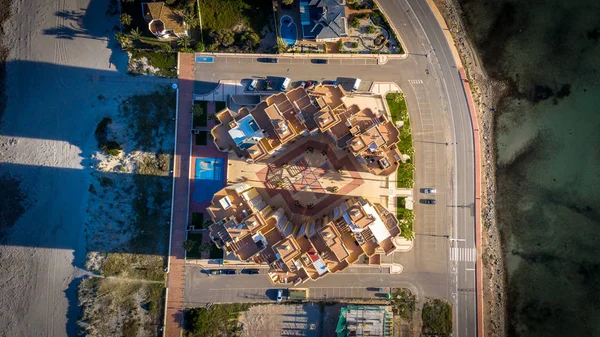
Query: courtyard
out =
(308, 177)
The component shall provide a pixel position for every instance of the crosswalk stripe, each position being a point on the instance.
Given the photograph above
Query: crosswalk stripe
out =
(463, 254)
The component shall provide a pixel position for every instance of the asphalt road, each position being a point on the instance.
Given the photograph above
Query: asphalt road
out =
(442, 262)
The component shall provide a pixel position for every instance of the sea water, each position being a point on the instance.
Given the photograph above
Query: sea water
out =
(548, 157)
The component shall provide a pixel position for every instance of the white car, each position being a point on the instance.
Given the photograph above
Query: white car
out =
(429, 190)
(279, 295)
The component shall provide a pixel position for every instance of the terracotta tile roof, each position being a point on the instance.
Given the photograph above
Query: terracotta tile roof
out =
(159, 11)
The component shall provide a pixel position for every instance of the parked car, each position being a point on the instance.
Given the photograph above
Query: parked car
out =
(330, 82)
(429, 201)
(215, 272)
(250, 271)
(302, 84)
(252, 86)
(279, 295)
(267, 60)
(320, 61)
(429, 190)
(230, 271)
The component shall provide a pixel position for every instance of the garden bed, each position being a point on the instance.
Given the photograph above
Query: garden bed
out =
(399, 113)
(405, 218)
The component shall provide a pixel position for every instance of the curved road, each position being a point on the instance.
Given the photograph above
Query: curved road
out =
(428, 37)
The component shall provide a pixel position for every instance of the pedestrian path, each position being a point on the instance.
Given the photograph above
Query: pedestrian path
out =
(463, 254)
(176, 274)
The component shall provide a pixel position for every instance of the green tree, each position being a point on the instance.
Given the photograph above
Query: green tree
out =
(355, 22)
(184, 42)
(287, 2)
(370, 30)
(123, 40)
(135, 34)
(188, 245)
(125, 19)
(200, 47)
(250, 39)
(224, 37)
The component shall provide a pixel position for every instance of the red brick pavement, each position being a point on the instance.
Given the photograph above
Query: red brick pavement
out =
(325, 200)
(478, 182)
(176, 275)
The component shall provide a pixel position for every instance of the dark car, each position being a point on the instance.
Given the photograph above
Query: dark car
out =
(330, 82)
(252, 271)
(320, 61)
(268, 60)
(215, 272)
(229, 271)
(429, 201)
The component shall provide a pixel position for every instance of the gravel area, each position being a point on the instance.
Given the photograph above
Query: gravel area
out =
(275, 320)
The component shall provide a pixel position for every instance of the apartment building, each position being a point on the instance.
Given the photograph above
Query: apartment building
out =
(274, 123)
(245, 225)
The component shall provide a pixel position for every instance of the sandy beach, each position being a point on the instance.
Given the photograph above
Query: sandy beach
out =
(486, 93)
(58, 50)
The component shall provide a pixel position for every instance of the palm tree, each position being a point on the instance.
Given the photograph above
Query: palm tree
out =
(123, 40)
(189, 17)
(184, 41)
(125, 19)
(135, 34)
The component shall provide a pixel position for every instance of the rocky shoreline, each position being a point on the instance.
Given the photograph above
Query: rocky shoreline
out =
(486, 94)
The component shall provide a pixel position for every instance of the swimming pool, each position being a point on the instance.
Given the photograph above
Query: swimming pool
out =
(208, 178)
(288, 30)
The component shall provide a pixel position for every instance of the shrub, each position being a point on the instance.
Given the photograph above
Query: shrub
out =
(200, 47)
(370, 30)
(111, 148)
(354, 44)
(437, 318)
(250, 39)
(355, 22)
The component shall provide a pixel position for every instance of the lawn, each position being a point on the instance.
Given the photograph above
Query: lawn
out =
(201, 138)
(437, 318)
(217, 320)
(196, 252)
(405, 218)
(200, 115)
(399, 112)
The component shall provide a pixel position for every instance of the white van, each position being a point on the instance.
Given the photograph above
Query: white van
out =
(356, 85)
(285, 84)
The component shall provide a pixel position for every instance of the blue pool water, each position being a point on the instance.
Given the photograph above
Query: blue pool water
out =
(208, 178)
(288, 30)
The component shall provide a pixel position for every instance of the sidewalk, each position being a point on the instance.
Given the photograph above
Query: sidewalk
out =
(176, 274)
